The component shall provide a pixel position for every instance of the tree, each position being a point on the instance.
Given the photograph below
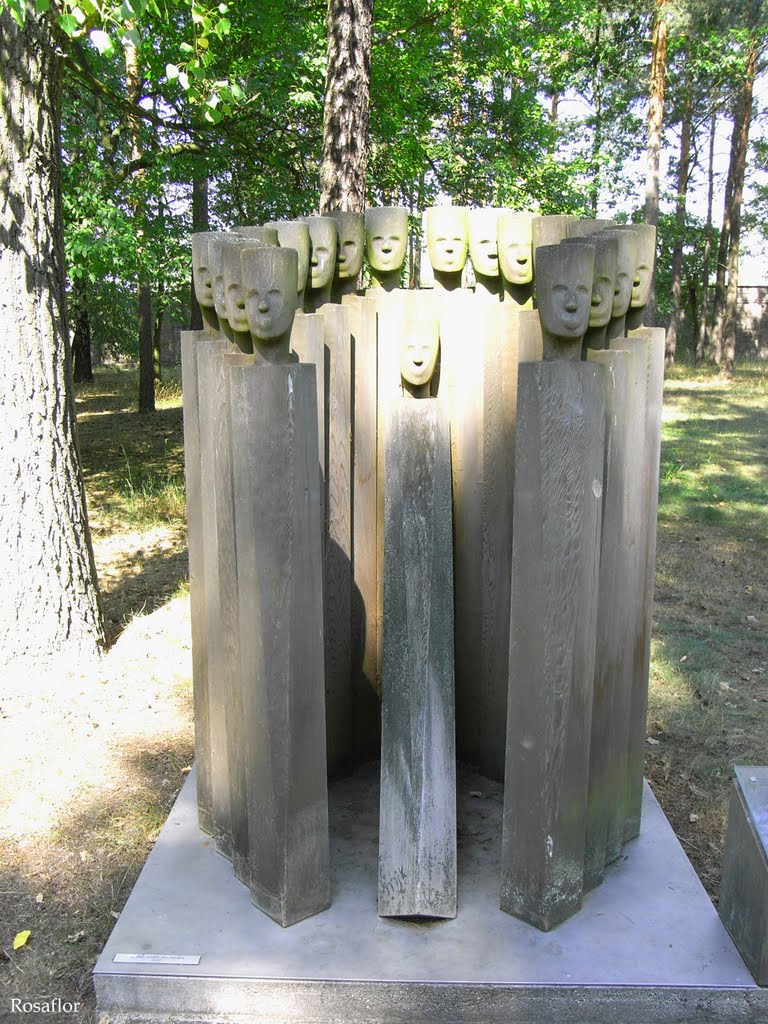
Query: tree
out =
(50, 602)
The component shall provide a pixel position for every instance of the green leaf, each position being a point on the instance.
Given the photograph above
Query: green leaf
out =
(21, 939)
(101, 40)
(127, 10)
(131, 37)
(41, 6)
(78, 15)
(68, 24)
(17, 9)
(171, 71)
(186, 48)
(184, 79)
(223, 27)
(223, 8)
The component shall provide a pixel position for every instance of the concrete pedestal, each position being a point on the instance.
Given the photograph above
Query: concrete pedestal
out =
(647, 946)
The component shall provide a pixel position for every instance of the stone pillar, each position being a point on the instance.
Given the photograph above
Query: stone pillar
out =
(280, 573)
(555, 563)
(191, 342)
(417, 841)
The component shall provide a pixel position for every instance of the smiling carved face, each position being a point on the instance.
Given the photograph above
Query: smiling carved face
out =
(447, 238)
(564, 289)
(386, 237)
(515, 242)
(483, 241)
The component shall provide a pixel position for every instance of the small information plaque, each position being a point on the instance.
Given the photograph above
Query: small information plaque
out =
(154, 958)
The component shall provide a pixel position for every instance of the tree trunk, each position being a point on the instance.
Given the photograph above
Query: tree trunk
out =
(683, 173)
(743, 123)
(199, 223)
(655, 124)
(81, 347)
(347, 103)
(49, 604)
(701, 343)
(157, 333)
(146, 350)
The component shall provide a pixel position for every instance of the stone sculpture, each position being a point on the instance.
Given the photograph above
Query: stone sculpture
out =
(294, 234)
(603, 285)
(216, 244)
(564, 295)
(626, 262)
(322, 261)
(417, 835)
(270, 277)
(515, 245)
(484, 251)
(202, 278)
(350, 251)
(447, 230)
(643, 273)
(386, 242)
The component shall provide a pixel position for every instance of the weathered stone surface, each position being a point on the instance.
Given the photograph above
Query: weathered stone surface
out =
(611, 661)
(417, 830)
(555, 563)
(190, 344)
(743, 903)
(280, 573)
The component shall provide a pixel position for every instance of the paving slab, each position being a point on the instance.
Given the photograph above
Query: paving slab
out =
(646, 947)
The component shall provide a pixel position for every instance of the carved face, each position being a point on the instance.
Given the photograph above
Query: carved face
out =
(351, 244)
(294, 234)
(604, 281)
(564, 289)
(447, 238)
(646, 251)
(386, 237)
(234, 294)
(201, 269)
(483, 243)
(515, 240)
(418, 351)
(270, 278)
(625, 270)
(216, 243)
(322, 255)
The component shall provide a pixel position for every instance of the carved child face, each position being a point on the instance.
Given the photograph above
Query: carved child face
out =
(270, 277)
(294, 234)
(418, 351)
(564, 289)
(483, 243)
(625, 269)
(386, 237)
(447, 238)
(216, 243)
(515, 240)
(351, 244)
(234, 295)
(604, 281)
(322, 256)
(201, 269)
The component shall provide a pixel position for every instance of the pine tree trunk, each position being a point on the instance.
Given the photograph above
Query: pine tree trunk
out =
(146, 350)
(701, 343)
(49, 604)
(718, 309)
(683, 173)
(655, 125)
(347, 103)
(743, 123)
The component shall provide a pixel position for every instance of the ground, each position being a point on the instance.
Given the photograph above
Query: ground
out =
(95, 757)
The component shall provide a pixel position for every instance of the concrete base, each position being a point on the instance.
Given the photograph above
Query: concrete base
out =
(646, 947)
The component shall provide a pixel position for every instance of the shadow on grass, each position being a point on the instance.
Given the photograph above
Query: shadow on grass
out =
(84, 871)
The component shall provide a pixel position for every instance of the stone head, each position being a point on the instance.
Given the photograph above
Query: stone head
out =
(216, 242)
(322, 251)
(626, 262)
(549, 230)
(515, 241)
(351, 243)
(294, 234)
(564, 289)
(386, 237)
(483, 242)
(581, 227)
(447, 230)
(419, 345)
(201, 269)
(270, 279)
(234, 292)
(604, 277)
(644, 261)
(263, 233)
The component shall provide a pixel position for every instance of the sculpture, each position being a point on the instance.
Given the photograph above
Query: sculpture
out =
(643, 273)
(323, 238)
(606, 249)
(484, 251)
(386, 241)
(216, 244)
(418, 356)
(447, 244)
(515, 247)
(349, 251)
(263, 233)
(294, 234)
(625, 275)
(564, 293)
(270, 277)
(202, 278)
